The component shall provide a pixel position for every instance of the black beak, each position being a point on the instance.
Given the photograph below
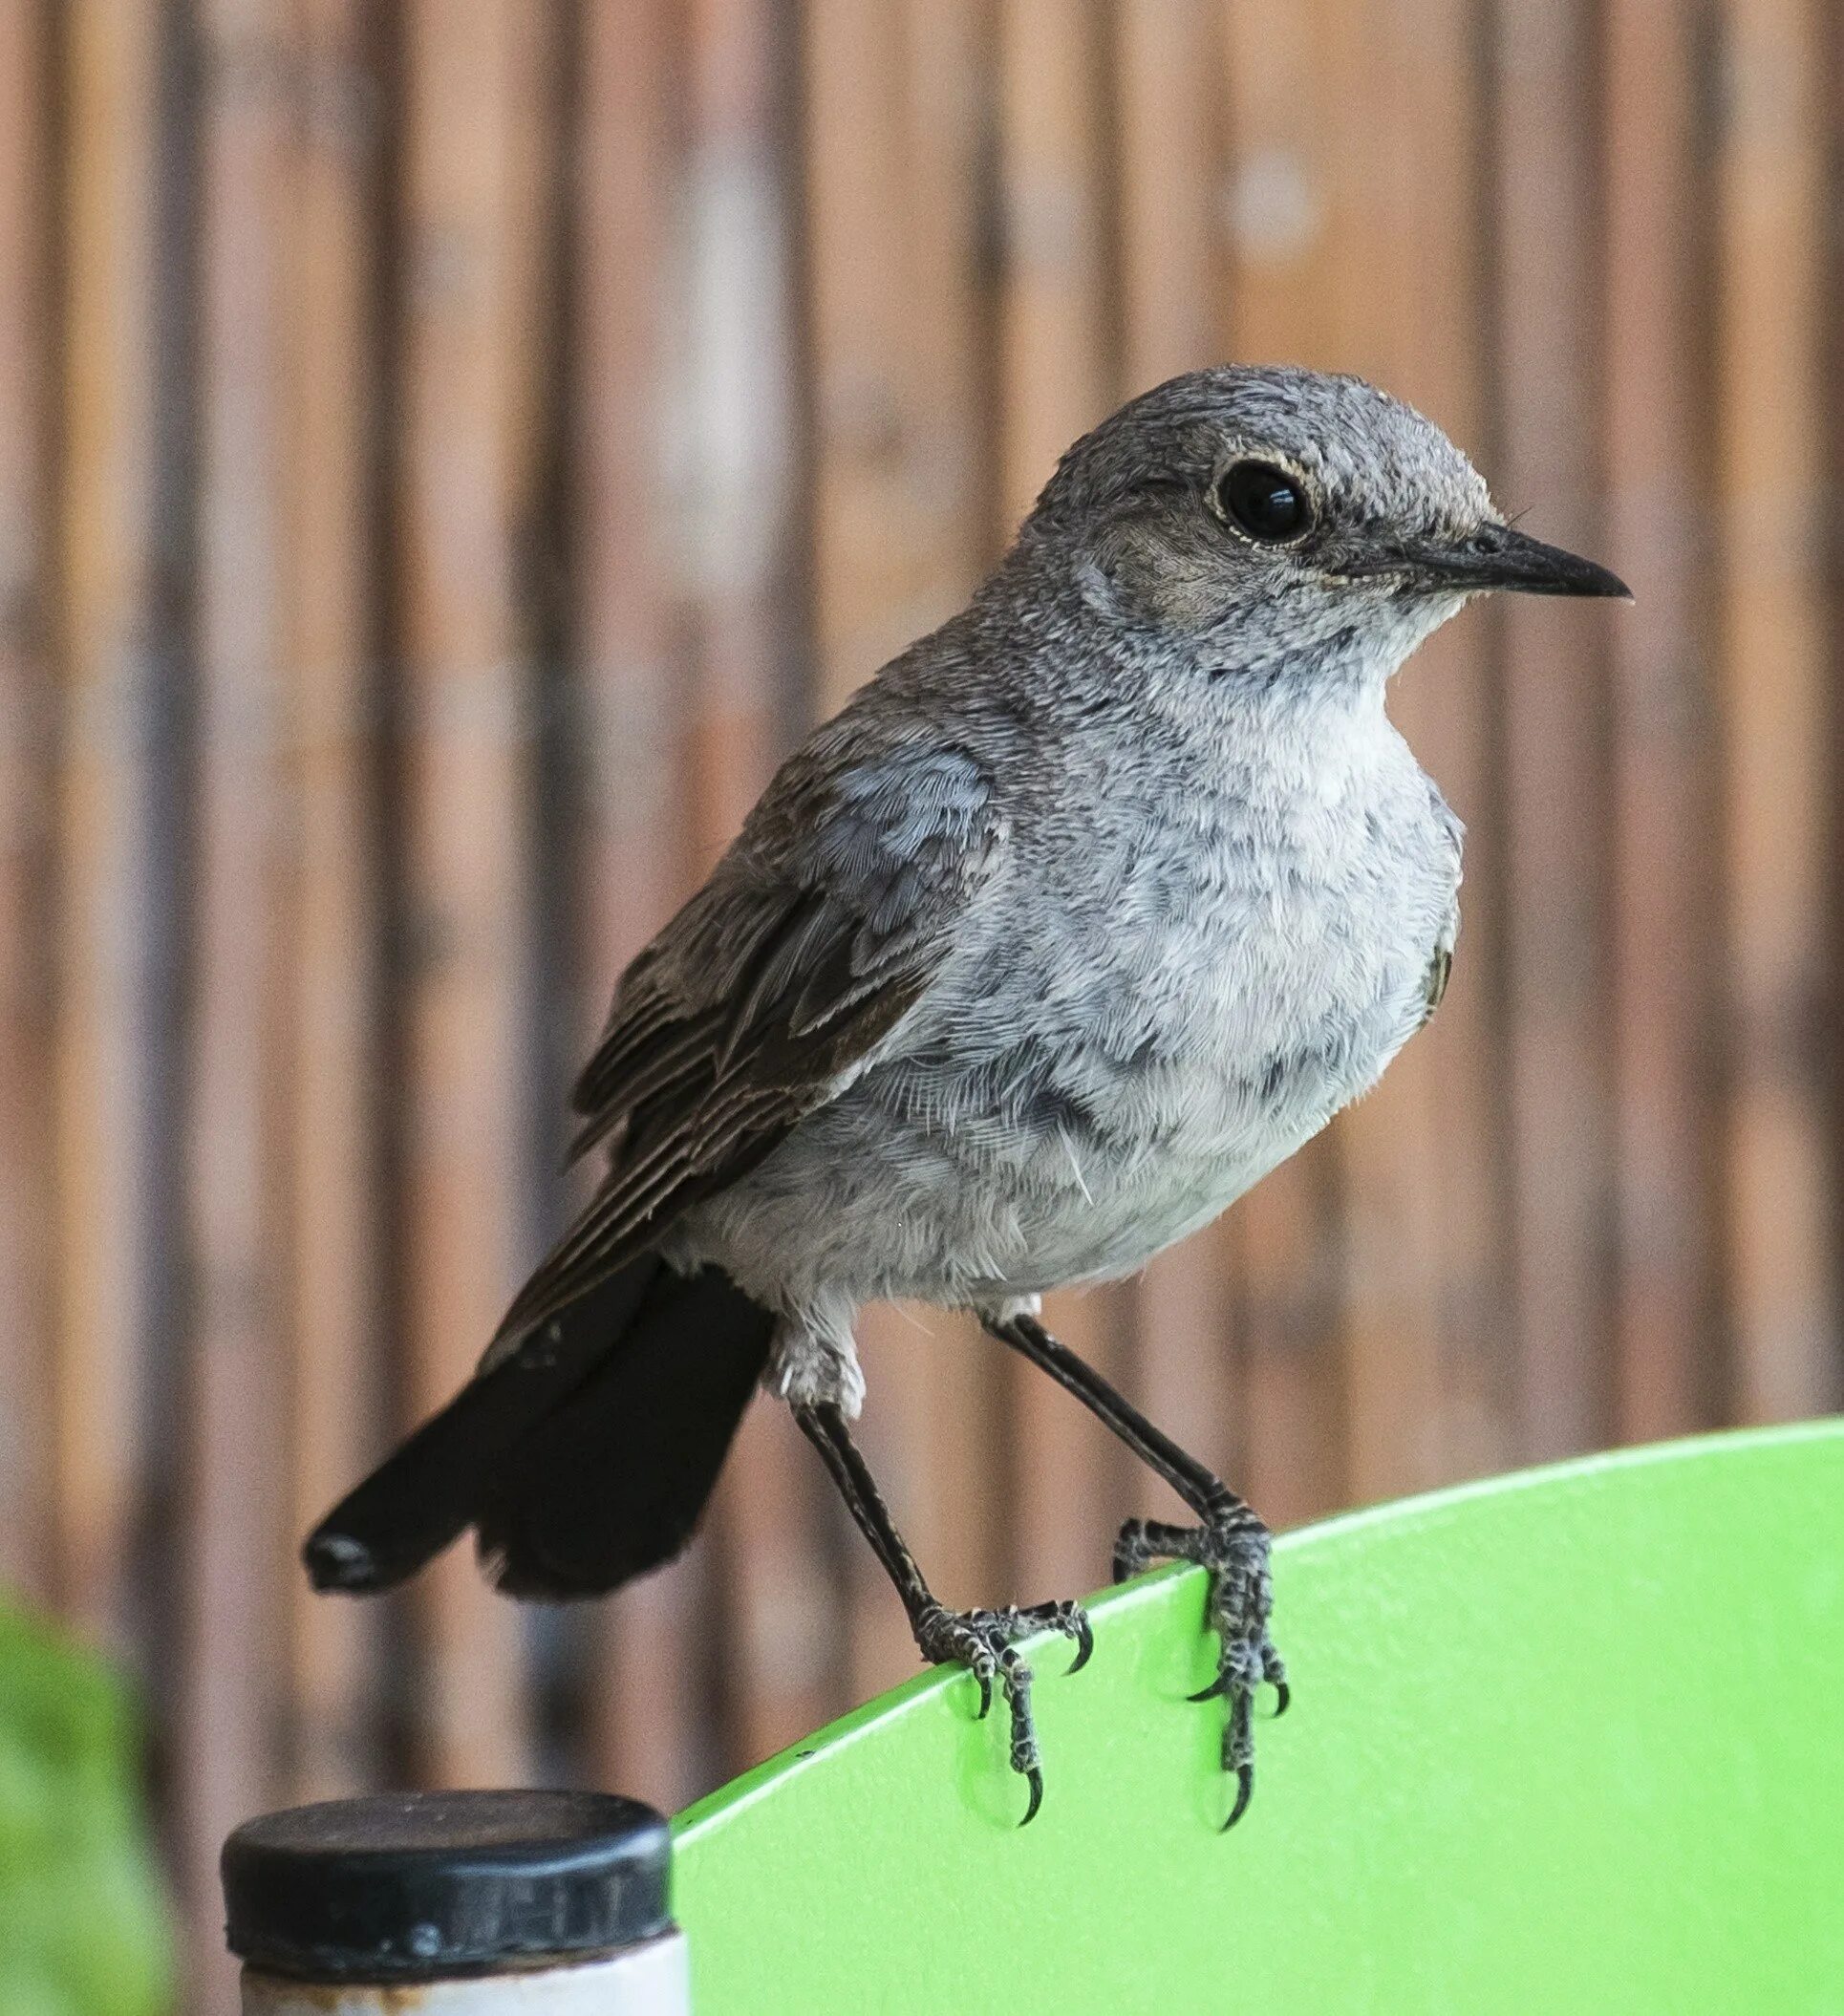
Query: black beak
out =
(1499, 556)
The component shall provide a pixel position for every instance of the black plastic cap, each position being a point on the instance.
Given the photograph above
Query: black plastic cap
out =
(416, 1886)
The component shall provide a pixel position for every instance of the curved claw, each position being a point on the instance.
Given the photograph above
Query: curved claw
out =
(1283, 1698)
(1215, 1692)
(1244, 1792)
(1085, 1644)
(1034, 1777)
(985, 1681)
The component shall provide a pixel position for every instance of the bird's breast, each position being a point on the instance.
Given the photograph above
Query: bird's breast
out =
(1250, 971)
(1168, 1008)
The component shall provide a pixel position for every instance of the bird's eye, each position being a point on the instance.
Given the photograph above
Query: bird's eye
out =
(1264, 503)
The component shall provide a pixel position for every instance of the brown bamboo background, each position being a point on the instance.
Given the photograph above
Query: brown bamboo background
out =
(449, 447)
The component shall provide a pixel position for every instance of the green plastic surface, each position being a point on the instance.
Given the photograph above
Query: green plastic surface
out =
(82, 1924)
(1569, 1741)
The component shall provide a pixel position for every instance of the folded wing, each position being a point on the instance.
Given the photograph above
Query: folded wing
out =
(767, 994)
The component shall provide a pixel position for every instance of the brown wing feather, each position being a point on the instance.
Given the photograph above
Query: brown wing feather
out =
(729, 1099)
(819, 929)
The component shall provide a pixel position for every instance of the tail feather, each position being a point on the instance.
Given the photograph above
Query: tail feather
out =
(613, 1483)
(582, 1459)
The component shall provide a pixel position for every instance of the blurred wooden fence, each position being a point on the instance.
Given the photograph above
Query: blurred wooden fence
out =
(448, 448)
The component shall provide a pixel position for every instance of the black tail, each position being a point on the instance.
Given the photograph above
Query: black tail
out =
(582, 1459)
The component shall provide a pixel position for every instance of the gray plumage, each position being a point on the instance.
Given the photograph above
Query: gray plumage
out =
(1087, 912)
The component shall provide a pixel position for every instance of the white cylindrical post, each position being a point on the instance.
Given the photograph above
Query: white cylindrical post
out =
(521, 1904)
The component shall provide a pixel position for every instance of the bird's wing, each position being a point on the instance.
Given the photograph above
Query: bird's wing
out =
(822, 925)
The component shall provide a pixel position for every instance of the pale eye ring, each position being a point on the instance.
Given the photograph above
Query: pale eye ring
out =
(1263, 503)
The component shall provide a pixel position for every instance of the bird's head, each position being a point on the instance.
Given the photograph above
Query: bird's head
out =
(1274, 518)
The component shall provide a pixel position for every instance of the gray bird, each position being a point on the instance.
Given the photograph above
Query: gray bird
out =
(1082, 914)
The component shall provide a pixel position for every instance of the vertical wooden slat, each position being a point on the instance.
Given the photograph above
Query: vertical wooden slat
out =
(1056, 371)
(233, 1545)
(329, 611)
(1666, 946)
(857, 270)
(1429, 1391)
(890, 130)
(776, 1624)
(1556, 719)
(949, 110)
(1445, 704)
(26, 778)
(1284, 211)
(1777, 770)
(1289, 1457)
(955, 1373)
(862, 572)
(625, 679)
(1282, 200)
(468, 470)
(1387, 1156)
(1057, 380)
(108, 634)
(1168, 76)
(737, 523)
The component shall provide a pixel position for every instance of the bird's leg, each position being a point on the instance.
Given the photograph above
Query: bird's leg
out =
(985, 1641)
(1228, 1542)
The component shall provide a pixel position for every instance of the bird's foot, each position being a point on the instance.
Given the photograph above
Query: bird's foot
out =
(1235, 1551)
(985, 1641)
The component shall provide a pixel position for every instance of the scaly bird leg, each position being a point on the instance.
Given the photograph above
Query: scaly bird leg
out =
(1229, 1542)
(985, 1641)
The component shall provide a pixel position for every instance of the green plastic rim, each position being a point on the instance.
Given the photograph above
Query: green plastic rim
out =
(1571, 1741)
